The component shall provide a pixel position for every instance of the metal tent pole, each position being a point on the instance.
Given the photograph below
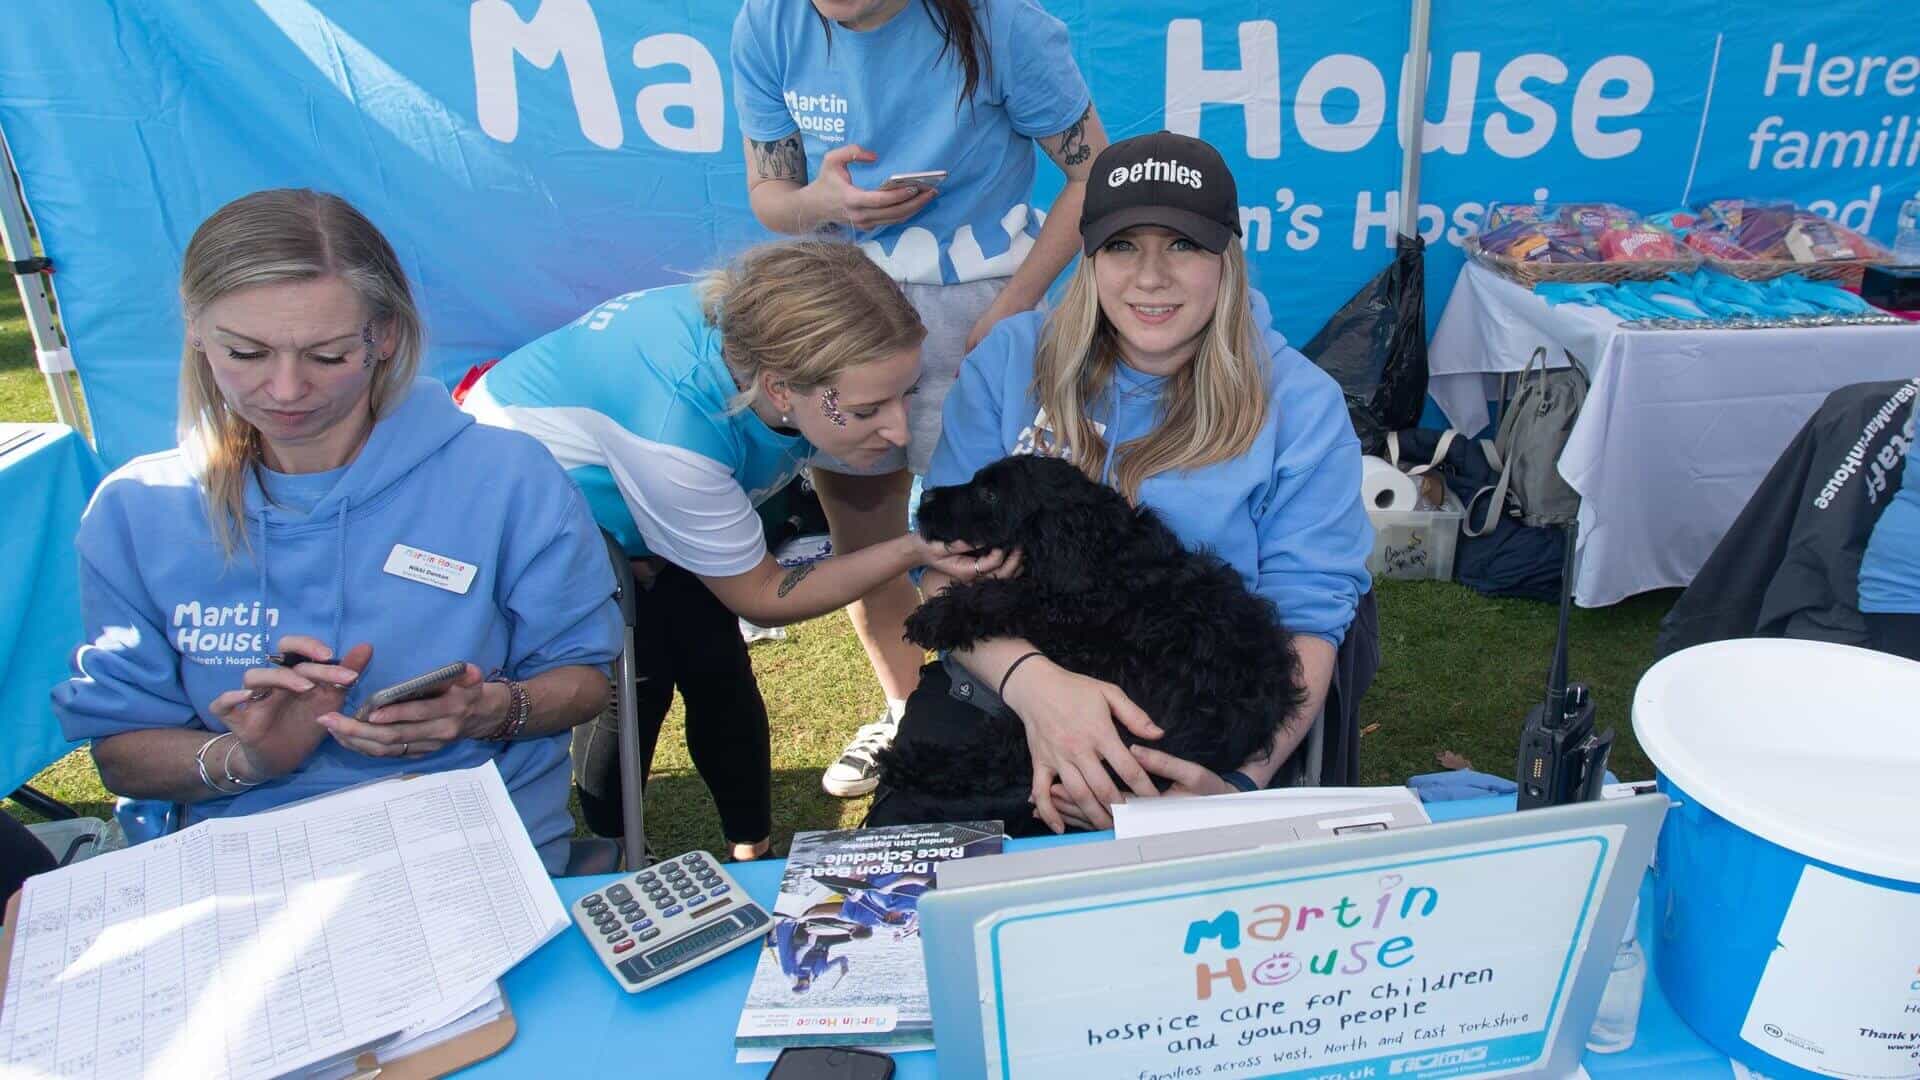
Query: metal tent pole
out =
(1413, 112)
(30, 274)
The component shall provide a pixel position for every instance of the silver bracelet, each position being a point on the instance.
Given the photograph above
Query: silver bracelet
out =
(200, 762)
(226, 766)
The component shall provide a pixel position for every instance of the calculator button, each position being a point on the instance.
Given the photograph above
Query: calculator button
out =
(623, 946)
(631, 905)
(719, 889)
(593, 900)
(669, 913)
(649, 933)
(690, 859)
(643, 924)
(693, 901)
(617, 935)
(619, 894)
(644, 876)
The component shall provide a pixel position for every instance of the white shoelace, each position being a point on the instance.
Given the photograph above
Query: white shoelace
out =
(868, 740)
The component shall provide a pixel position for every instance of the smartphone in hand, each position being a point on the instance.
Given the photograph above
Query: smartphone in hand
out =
(929, 180)
(413, 689)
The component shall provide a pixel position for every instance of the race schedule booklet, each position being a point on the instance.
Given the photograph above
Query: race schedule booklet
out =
(841, 965)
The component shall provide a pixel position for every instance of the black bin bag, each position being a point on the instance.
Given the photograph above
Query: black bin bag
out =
(1375, 347)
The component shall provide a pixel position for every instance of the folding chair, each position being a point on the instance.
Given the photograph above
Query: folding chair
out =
(626, 711)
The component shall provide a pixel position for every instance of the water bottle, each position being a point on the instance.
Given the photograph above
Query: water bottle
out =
(1618, 1019)
(1906, 236)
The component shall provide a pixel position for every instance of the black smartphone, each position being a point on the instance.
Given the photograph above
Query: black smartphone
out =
(831, 1063)
(413, 689)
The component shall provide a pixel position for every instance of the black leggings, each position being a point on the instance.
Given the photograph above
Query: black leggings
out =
(685, 637)
(1896, 633)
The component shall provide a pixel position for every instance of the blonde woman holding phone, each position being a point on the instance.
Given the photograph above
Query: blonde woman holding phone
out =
(909, 126)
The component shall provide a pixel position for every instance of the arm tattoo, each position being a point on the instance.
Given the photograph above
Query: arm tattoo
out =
(793, 578)
(781, 159)
(1070, 146)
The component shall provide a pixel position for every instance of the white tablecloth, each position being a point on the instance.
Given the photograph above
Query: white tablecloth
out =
(1679, 427)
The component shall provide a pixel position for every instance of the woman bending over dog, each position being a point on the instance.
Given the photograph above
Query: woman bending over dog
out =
(1157, 375)
(677, 411)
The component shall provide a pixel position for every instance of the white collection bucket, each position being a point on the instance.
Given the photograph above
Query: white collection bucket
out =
(1787, 880)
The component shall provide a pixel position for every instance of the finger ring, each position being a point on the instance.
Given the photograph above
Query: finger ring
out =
(403, 748)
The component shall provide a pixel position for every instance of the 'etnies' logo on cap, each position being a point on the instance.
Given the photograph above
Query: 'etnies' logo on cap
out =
(1172, 181)
(1154, 169)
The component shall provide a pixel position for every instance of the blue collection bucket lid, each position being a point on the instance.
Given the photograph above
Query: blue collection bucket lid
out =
(1809, 745)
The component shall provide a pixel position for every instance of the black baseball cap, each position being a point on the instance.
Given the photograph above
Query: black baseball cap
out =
(1173, 181)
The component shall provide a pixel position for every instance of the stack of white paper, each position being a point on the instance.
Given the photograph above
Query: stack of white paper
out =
(255, 946)
(1342, 806)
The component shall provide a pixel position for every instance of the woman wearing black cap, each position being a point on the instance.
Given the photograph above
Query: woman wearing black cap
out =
(1158, 374)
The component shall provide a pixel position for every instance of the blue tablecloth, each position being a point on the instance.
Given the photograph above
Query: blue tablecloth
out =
(47, 474)
(575, 1022)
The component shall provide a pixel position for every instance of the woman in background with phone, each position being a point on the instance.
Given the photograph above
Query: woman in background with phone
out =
(677, 411)
(837, 96)
(329, 526)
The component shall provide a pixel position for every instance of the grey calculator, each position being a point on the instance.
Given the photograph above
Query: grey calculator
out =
(667, 919)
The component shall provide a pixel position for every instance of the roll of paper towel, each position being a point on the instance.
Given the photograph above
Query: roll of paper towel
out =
(1385, 487)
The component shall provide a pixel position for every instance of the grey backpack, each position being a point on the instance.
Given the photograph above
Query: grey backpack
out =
(1534, 426)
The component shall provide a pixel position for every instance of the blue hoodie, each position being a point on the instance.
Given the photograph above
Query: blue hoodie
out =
(1890, 569)
(1287, 514)
(171, 624)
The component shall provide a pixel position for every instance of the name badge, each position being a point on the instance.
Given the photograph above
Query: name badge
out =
(430, 569)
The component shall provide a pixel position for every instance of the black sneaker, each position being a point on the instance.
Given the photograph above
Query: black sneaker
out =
(857, 773)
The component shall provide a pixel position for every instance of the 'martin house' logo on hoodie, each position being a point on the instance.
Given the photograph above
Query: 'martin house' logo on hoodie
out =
(223, 633)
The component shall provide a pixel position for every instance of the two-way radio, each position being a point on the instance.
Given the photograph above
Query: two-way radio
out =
(1561, 759)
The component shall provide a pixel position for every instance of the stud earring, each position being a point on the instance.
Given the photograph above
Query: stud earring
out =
(197, 347)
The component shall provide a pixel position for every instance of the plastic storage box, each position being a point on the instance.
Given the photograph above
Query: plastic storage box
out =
(1415, 545)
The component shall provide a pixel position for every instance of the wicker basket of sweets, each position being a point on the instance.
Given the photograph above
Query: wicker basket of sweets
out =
(1530, 273)
(1847, 272)
(1532, 243)
(1760, 241)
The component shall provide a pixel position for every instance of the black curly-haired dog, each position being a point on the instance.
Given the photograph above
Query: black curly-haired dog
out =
(1106, 590)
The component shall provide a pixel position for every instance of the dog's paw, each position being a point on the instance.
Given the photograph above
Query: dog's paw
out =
(940, 623)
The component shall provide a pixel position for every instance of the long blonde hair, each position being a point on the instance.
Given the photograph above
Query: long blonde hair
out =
(803, 311)
(286, 234)
(1211, 410)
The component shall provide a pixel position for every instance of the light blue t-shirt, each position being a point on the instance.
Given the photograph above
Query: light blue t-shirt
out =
(889, 90)
(298, 492)
(1890, 569)
(635, 401)
(1286, 514)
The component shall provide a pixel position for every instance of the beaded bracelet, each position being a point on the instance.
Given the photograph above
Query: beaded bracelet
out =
(519, 711)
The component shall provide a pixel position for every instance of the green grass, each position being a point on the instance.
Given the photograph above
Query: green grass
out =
(1458, 673)
(23, 391)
